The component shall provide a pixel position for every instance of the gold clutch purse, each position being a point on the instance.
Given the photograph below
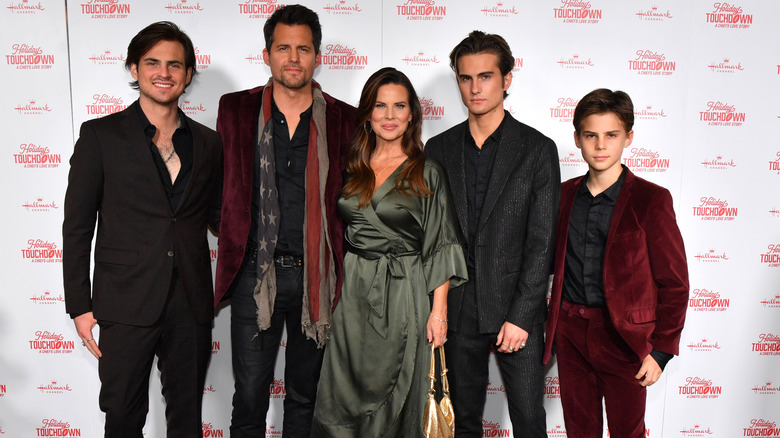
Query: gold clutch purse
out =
(438, 418)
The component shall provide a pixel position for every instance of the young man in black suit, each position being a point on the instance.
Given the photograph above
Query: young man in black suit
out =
(505, 184)
(151, 179)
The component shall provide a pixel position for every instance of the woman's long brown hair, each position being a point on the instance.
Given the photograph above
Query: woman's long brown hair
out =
(362, 179)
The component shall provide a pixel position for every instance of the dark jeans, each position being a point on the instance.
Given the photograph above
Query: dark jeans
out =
(254, 356)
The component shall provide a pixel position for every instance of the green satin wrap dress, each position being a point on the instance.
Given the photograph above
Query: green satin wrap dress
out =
(374, 376)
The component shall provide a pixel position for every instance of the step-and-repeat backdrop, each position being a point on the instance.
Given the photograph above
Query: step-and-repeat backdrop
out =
(704, 76)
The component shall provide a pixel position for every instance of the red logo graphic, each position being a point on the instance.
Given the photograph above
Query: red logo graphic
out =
(703, 300)
(773, 302)
(725, 66)
(499, 10)
(106, 58)
(774, 165)
(47, 298)
(646, 160)
(277, 388)
(705, 345)
(271, 431)
(766, 388)
(772, 256)
(2, 391)
(40, 205)
(210, 431)
(577, 11)
(52, 427)
(209, 389)
(256, 59)
(572, 160)
(258, 8)
(696, 431)
(653, 14)
(202, 61)
(35, 156)
(101, 9)
(721, 114)
(342, 8)
(649, 113)
(104, 104)
(213, 254)
(340, 57)
(648, 62)
(42, 251)
(761, 427)
(52, 343)
(558, 431)
(711, 256)
(575, 62)
(183, 7)
(552, 387)
(27, 57)
(54, 388)
(430, 110)
(191, 108)
(699, 387)
(420, 59)
(775, 212)
(718, 163)
(714, 209)
(33, 108)
(493, 390)
(767, 345)
(563, 110)
(25, 7)
(214, 347)
(518, 65)
(425, 10)
(725, 15)
(493, 428)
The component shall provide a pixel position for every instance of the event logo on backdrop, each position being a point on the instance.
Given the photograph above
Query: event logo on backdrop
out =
(40, 205)
(717, 113)
(654, 14)
(557, 431)
(696, 431)
(343, 57)
(25, 7)
(56, 427)
(774, 165)
(46, 342)
(705, 345)
(32, 108)
(209, 389)
(202, 60)
(575, 62)
(260, 9)
(761, 427)
(105, 9)
(711, 256)
(426, 10)
(518, 65)
(104, 104)
(493, 389)
(727, 15)
(29, 57)
(699, 387)
(494, 429)
(215, 347)
(552, 387)
(646, 160)
(183, 7)
(42, 251)
(213, 254)
(420, 59)
(3, 390)
(577, 11)
(725, 65)
(210, 431)
(342, 8)
(563, 109)
(768, 344)
(773, 302)
(430, 110)
(766, 388)
(719, 163)
(277, 388)
(35, 156)
(705, 300)
(273, 431)
(54, 387)
(499, 10)
(650, 62)
(108, 58)
(572, 159)
(648, 112)
(47, 297)
(771, 257)
(710, 208)
(191, 108)
(774, 212)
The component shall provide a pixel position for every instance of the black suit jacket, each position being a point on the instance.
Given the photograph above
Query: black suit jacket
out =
(114, 182)
(516, 230)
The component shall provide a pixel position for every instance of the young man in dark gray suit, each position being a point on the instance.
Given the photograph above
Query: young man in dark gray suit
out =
(505, 184)
(150, 177)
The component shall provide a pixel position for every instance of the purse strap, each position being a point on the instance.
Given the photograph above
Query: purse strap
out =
(445, 385)
(432, 373)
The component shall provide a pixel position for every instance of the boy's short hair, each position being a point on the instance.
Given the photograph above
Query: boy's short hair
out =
(293, 15)
(602, 101)
(480, 42)
(152, 34)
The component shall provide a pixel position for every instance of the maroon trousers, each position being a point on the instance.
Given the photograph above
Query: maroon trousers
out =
(594, 363)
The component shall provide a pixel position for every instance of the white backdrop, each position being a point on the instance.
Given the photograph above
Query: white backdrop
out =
(704, 77)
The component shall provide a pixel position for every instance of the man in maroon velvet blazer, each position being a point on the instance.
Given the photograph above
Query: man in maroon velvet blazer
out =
(281, 239)
(620, 288)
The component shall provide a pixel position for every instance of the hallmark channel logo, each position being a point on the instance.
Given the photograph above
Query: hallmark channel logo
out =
(105, 9)
(54, 388)
(572, 160)
(774, 212)
(499, 10)
(343, 57)
(272, 431)
(696, 431)
(41, 251)
(718, 163)
(557, 431)
(209, 389)
(104, 104)
(654, 14)
(493, 389)
(768, 344)
(421, 10)
(575, 62)
(646, 160)
(774, 165)
(51, 343)
(255, 59)
(766, 388)
(699, 387)
(29, 57)
(261, 9)
(39, 205)
(192, 108)
(420, 59)
(725, 66)
(33, 156)
(277, 389)
(761, 427)
(52, 427)
(649, 113)
(577, 11)
(704, 300)
(183, 7)
(47, 298)
(729, 16)
(552, 387)
(430, 110)
(563, 109)
(719, 113)
(108, 58)
(772, 303)
(202, 60)
(341, 7)
(711, 256)
(33, 108)
(493, 429)
(771, 257)
(704, 345)
(25, 7)
(714, 209)
(210, 431)
(649, 62)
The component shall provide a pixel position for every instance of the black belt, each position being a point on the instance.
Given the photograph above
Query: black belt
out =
(288, 261)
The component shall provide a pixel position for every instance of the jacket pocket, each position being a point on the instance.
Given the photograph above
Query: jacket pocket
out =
(640, 316)
(116, 256)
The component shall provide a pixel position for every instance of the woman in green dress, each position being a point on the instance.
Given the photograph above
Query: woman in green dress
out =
(404, 253)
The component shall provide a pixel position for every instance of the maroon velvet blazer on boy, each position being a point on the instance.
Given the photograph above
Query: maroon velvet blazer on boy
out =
(237, 123)
(645, 269)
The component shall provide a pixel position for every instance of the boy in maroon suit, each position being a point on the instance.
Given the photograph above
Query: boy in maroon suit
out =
(620, 288)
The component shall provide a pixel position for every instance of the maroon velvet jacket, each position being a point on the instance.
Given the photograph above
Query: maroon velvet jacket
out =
(237, 123)
(645, 269)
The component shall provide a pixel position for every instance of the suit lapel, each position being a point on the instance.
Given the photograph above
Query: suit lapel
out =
(456, 171)
(249, 113)
(137, 141)
(503, 164)
(624, 197)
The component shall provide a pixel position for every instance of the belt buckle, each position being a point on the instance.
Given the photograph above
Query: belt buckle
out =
(287, 261)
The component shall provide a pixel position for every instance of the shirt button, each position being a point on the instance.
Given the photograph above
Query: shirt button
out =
(582, 311)
(170, 253)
